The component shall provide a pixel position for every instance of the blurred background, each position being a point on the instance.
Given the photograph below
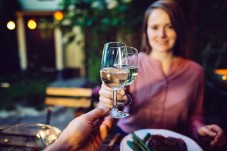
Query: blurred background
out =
(47, 41)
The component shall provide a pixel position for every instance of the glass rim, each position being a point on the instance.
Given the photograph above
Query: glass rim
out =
(132, 48)
(121, 44)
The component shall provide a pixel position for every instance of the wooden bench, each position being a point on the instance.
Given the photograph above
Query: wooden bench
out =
(68, 97)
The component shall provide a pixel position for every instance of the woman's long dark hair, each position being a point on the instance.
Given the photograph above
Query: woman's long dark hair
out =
(177, 19)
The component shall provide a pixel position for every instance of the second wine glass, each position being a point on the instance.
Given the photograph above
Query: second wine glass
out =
(132, 64)
(114, 71)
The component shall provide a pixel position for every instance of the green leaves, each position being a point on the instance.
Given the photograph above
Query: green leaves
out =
(100, 21)
(96, 13)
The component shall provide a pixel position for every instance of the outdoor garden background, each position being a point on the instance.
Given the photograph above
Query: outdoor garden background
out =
(110, 20)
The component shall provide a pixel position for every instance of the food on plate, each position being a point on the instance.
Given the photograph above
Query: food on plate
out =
(156, 143)
(162, 143)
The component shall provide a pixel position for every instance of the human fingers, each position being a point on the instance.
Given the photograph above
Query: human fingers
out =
(106, 96)
(214, 134)
(220, 138)
(120, 94)
(108, 120)
(105, 127)
(123, 98)
(205, 134)
(103, 86)
(95, 114)
(106, 102)
(106, 91)
(205, 131)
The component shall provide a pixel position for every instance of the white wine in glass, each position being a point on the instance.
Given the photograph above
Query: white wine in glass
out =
(114, 71)
(132, 64)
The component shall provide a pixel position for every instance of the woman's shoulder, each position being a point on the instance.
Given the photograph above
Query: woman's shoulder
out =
(192, 64)
(195, 65)
(191, 67)
(143, 57)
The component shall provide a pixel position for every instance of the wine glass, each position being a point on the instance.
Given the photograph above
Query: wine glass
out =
(132, 64)
(114, 71)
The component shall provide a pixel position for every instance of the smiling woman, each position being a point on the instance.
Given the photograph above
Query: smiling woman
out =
(159, 26)
(168, 92)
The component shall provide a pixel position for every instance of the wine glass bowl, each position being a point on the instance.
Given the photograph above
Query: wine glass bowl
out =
(132, 64)
(113, 77)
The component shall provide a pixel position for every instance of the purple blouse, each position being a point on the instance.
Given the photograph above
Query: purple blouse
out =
(173, 101)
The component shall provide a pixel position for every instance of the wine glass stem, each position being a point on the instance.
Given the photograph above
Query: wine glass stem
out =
(115, 98)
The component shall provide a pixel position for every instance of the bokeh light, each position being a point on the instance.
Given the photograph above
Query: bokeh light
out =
(58, 15)
(11, 25)
(224, 77)
(32, 24)
(5, 85)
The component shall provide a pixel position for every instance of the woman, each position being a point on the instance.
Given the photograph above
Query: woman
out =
(168, 91)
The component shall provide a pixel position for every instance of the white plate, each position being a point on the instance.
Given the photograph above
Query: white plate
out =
(191, 144)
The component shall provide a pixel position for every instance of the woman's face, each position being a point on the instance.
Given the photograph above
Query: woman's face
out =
(160, 32)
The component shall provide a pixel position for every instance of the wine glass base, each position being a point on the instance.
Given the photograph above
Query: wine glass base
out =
(115, 113)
